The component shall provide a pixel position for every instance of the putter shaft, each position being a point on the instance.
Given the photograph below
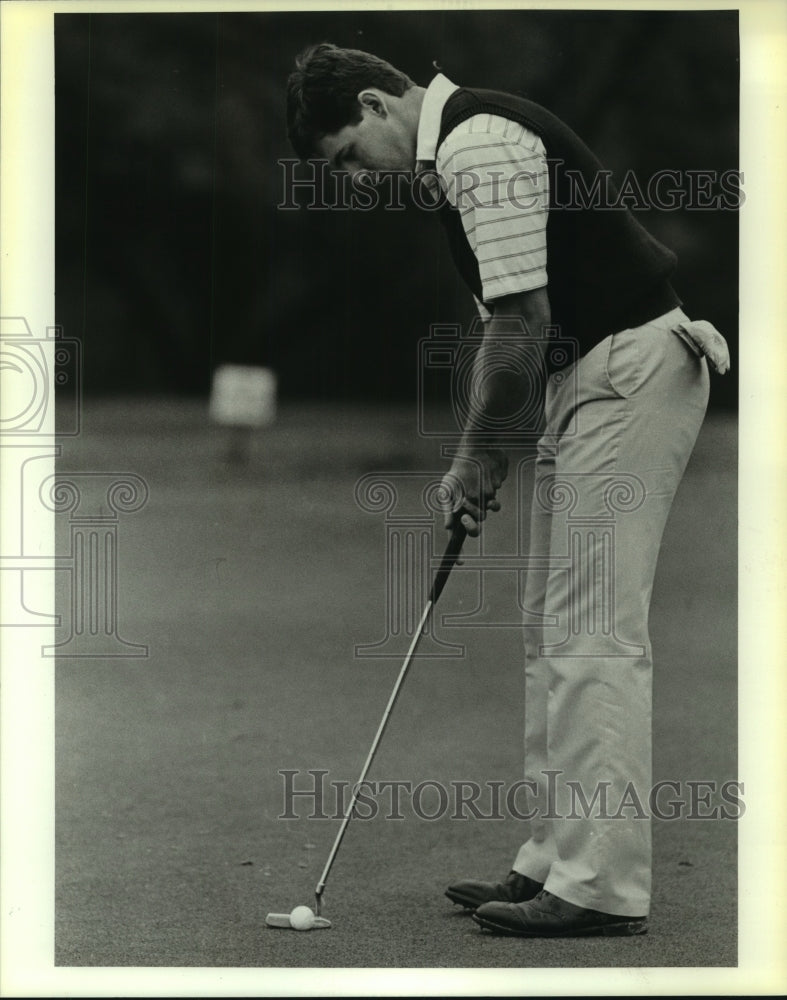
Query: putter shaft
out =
(447, 563)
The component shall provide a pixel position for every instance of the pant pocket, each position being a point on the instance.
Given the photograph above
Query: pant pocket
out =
(623, 366)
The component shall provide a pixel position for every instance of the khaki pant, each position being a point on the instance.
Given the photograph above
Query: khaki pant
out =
(618, 436)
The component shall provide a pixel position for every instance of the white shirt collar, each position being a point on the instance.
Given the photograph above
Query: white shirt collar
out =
(437, 93)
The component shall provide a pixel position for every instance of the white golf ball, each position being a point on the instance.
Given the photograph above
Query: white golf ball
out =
(302, 919)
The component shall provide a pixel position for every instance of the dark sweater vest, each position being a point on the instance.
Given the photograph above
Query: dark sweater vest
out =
(605, 272)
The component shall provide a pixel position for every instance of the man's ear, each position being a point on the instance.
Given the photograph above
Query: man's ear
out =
(374, 101)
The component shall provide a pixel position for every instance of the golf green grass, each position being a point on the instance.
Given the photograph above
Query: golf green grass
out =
(252, 585)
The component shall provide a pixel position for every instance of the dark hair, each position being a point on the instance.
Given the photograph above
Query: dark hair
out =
(322, 92)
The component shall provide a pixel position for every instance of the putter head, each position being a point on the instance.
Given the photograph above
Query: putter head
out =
(283, 920)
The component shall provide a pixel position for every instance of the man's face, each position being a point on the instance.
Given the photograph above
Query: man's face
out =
(379, 141)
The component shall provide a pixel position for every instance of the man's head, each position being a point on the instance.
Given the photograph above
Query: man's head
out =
(353, 109)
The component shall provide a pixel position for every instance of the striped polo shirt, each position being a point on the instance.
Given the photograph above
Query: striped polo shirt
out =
(494, 171)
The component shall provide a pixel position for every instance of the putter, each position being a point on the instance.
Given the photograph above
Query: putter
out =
(447, 563)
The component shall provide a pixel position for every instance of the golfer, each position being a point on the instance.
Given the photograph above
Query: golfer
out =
(552, 259)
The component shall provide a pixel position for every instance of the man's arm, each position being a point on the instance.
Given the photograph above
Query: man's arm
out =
(504, 373)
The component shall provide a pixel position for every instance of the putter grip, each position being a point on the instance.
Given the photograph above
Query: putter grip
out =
(451, 554)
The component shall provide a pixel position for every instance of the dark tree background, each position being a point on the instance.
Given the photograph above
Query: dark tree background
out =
(172, 255)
